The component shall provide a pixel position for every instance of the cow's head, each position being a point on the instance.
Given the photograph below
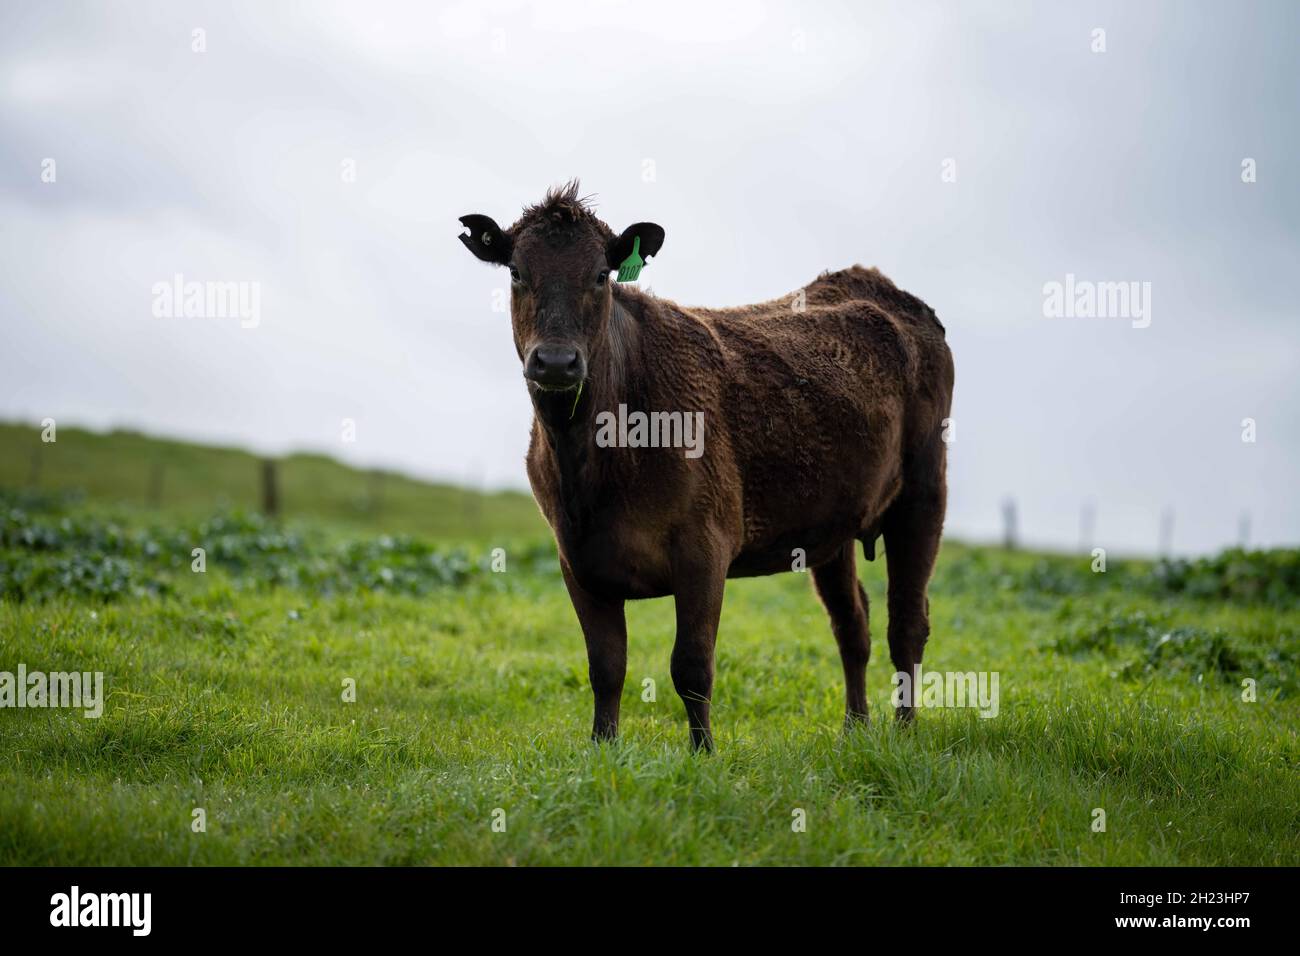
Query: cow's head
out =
(562, 261)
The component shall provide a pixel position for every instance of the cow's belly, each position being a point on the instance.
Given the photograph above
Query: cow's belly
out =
(815, 547)
(796, 541)
(794, 513)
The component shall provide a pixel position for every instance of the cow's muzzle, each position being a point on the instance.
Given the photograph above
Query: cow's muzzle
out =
(555, 367)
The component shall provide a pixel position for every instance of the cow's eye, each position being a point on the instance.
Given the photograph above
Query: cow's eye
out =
(514, 274)
(603, 277)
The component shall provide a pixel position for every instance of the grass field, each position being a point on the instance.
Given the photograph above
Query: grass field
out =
(1120, 691)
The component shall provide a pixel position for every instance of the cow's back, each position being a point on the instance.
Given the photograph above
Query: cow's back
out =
(820, 394)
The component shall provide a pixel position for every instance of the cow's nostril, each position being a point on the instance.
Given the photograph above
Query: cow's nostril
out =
(555, 366)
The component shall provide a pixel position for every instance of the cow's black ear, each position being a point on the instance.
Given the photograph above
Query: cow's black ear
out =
(485, 239)
(650, 236)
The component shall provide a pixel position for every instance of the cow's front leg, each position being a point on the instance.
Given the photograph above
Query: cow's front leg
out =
(604, 628)
(699, 581)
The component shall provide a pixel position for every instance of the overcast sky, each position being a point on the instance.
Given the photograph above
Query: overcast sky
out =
(973, 152)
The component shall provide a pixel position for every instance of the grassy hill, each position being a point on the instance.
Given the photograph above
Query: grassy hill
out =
(185, 481)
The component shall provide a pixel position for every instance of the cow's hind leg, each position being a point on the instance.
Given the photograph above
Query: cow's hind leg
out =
(846, 603)
(700, 579)
(912, 529)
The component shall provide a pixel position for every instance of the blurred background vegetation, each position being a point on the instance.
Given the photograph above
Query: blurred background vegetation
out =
(111, 516)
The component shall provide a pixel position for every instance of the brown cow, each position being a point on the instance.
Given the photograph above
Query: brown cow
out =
(822, 420)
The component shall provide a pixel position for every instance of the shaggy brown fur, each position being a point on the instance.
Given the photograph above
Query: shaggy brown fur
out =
(822, 427)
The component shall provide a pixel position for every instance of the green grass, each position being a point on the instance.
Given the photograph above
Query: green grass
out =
(1119, 691)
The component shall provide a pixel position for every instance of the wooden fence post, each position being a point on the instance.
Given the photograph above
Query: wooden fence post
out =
(270, 489)
(1165, 543)
(1087, 521)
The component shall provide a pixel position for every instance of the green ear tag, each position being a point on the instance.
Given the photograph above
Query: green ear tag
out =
(630, 268)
